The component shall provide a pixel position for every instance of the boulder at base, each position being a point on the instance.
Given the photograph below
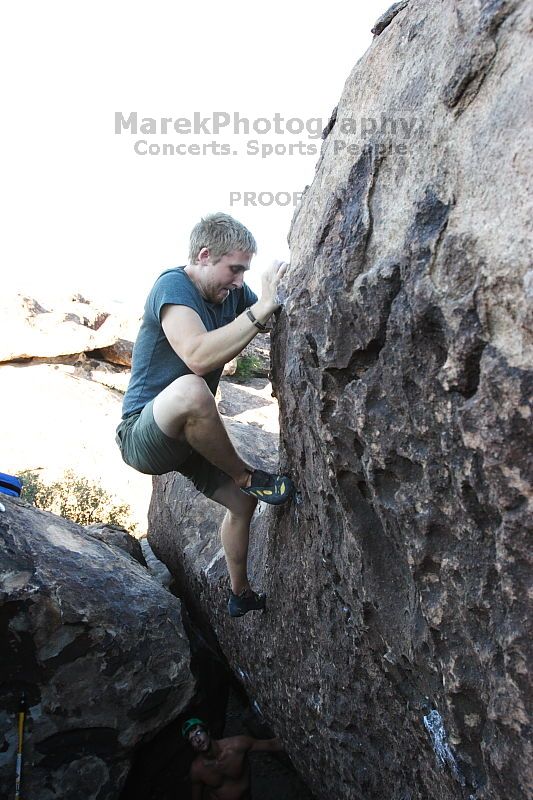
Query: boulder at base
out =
(96, 645)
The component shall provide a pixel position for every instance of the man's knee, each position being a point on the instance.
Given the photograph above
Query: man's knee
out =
(187, 398)
(192, 393)
(242, 506)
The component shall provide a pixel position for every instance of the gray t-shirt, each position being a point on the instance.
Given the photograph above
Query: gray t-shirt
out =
(154, 363)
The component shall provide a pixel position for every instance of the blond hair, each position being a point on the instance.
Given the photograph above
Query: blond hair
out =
(221, 234)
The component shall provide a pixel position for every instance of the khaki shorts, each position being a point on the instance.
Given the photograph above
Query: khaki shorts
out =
(147, 449)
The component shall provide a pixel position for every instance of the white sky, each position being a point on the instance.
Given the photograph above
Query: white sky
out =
(81, 210)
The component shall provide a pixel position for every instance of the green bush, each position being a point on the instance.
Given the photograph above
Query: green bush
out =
(75, 498)
(247, 366)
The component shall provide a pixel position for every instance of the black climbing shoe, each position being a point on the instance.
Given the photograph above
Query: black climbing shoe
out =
(241, 604)
(273, 489)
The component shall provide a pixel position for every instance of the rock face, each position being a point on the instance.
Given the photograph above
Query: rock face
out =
(388, 16)
(96, 645)
(392, 658)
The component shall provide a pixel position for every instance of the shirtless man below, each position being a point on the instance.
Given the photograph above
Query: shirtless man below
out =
(221, 766)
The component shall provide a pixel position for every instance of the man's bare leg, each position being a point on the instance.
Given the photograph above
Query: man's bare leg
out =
(187, 410)
(235, 532)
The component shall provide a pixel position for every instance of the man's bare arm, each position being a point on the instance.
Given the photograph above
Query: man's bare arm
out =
(197, 791)
(204, 351)
(197, 785)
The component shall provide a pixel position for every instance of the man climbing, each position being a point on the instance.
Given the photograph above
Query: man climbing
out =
(196, 319)
(222, 765)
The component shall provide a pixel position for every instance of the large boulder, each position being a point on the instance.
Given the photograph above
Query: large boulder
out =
(96, 645)
(392, 658)
(119, 353)
(29, 330)
(116, 536)
(251, 402)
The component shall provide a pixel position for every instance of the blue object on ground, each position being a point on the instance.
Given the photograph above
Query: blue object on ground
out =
(9, 484)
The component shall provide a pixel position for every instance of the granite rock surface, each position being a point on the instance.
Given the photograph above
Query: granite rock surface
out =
(116, 536)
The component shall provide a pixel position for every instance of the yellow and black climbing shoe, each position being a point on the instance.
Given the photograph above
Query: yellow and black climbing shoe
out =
(241, 604)
(273, 489)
